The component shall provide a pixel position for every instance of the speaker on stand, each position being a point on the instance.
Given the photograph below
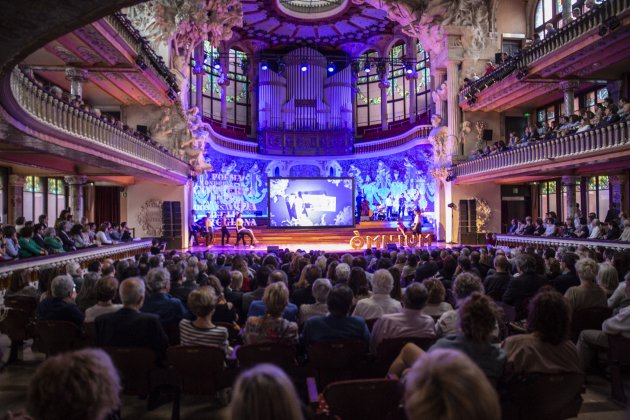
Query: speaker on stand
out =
(172, 224)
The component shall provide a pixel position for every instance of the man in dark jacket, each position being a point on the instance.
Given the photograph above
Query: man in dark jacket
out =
(569, 277)
(426, 268)
(496, 283)
(128, 327)
(525, 284)
(60, 306)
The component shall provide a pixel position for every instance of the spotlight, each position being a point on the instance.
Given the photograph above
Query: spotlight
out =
(451, 205)
(408, 65)
(264, 65)
(303, 67)
(409, 70)
(331, 67)
(367, 68)
(216, 63)
(171, 94)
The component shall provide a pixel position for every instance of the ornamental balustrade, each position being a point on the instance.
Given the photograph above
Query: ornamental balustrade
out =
(609, 139)
(54, 112)
(512, 241)
(34, 266)
(602, 18)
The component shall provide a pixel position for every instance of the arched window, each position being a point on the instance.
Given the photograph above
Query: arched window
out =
(368, 92)
(236, 94)
(423, 83)
(398, 90)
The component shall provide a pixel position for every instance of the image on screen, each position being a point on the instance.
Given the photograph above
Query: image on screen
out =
(310, 202)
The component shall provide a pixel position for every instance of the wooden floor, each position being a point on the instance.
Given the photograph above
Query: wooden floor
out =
(334, 239)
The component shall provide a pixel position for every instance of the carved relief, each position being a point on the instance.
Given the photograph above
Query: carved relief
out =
(150, 217)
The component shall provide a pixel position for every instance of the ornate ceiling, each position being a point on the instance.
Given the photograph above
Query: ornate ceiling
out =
(263, 20)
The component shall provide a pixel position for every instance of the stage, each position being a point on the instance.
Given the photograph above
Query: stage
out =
(307, 239)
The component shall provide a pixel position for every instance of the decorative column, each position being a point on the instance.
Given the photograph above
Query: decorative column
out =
(454, 112)
(568, 88)
(76, 77)
(16, 197)
(252, 91)
(383, 69)
(76, 183)
(413, 83)
(570, 182)
(199, 58)
(440, 106)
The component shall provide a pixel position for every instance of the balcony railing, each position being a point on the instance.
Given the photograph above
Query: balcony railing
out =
(603, 14)
(616, 136)
(537, 242)
(417, 132)
(54, 112)
(141, 45)
(306, 142)
(82, 256)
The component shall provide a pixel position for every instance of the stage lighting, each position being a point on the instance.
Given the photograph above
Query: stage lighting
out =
(216, 63)
(264, 65)
(303, 67)
(409, 70)
(331, 67)
(171, 94)
(367, 68)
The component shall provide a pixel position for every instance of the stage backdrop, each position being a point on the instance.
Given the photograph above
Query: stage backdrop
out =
(240, 184)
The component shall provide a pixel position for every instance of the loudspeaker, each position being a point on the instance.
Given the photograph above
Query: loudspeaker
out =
(468, 238)
(272, 248)
(497, 58)
(467, 216)
(486, 135)
(143, 129)
(171, 219)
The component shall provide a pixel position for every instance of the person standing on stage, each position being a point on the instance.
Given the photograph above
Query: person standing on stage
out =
(389, 204)
(401, 206)
(416, 227)
(242, 231)
(224, 231)
(192, 227)
(209, 229)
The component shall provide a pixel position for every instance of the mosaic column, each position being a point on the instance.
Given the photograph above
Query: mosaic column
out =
(384, 85)
(199, 80)
(413, 83)
(76, 183)
(570, 182)
(252, 91)
(568, 88)
(76, 77)
(16, 196)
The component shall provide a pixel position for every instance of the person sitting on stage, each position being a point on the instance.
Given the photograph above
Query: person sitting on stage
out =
(209, 230)
(242, 231)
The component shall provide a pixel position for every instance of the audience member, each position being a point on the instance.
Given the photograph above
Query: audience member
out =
(380, 303)
(272, 327)
(106, 289)
(588, 294)
(321, 289)
(159, 301)
(436, 305)
(201, 331)
(61, 305)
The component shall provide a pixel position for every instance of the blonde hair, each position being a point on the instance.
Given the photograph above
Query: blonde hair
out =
(586, 269)
(237, 280)
(264, 393)
(607, 277)
(438, 387)
(276, 298)
(77, 385)
(202, 301)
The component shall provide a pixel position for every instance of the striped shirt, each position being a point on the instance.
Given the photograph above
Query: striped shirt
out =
(193, 336)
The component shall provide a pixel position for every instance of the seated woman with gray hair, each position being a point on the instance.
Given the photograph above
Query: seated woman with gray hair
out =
(321, 288)
(380, 303)
(52, 242)
(202, 331)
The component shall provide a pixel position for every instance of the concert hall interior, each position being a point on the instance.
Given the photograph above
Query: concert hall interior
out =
(464, 156)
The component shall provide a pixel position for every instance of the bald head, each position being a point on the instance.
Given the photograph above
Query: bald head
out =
(132, 292)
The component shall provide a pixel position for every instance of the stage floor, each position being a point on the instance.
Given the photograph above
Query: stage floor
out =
(307, 239)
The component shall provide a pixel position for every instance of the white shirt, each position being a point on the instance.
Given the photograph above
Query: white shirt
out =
(550, 229)
(618, 324)
(93, 311)
(594, 233)
(102, 238)
(408, 323)
(376, 306)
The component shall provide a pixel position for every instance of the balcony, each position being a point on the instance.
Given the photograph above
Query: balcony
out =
(323, 142)
(581, 49)
(50, 124)
(607, 144)
(512, 241)
(414, 136)
(83, 256)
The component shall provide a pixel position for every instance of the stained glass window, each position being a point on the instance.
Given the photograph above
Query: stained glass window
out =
(547, 11)
(368, 92)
